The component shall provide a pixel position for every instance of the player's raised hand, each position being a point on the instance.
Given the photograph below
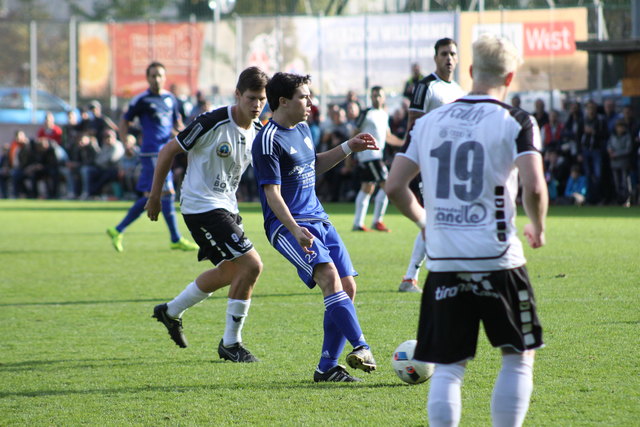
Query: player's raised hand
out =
(152, 207)
(305, 239)
(535, 238)
(363, 141)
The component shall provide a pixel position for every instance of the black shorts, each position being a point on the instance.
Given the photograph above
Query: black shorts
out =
(219, 234)
(453, 304)
(373, 171)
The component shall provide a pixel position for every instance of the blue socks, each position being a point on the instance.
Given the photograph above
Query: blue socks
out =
(340, 324)
(169, 214)
(134, 212)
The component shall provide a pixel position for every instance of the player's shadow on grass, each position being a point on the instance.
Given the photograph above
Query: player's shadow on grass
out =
(267, 386)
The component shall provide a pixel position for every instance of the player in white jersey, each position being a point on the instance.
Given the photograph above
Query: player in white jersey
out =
(433, 91)
(469, 154)
(218, 144)
(371, 167)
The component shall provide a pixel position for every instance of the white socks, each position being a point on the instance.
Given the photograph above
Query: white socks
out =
(445, 402)
(362, 205)
(381, 206)
(187, 298)
(512, 391)
(236, 313)
(417, 257)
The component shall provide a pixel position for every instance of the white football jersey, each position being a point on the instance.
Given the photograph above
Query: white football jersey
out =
(433, 92)
(466, 152)
(376, 122)
(219, 151)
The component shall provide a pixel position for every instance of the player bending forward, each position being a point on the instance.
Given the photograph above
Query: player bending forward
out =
(286, 165)
(218, 144)
(469, 154)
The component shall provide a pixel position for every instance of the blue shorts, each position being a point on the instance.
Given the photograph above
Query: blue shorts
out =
(327, 247)
(148, 166)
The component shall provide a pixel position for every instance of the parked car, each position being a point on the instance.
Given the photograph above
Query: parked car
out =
(16, 104)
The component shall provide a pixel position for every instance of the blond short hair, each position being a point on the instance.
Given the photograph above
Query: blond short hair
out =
(493, 58)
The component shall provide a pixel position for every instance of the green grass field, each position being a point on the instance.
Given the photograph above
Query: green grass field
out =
(78, 345)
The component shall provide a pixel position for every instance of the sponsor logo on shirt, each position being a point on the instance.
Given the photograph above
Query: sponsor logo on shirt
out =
(464, 216)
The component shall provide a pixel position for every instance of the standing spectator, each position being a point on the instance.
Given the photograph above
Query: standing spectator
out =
(50, 129)
(620, 149)
(157, 111)
(611, 115)
(412, 81)
(633, 126)
(286, 164)
(97, 123)
(551, 132)
(477, 268)
(516, 102)
(185, 107)
(541, 115)
(372, 170)
(351, 96)
(572, 132)
(432, 92)
(594, 141)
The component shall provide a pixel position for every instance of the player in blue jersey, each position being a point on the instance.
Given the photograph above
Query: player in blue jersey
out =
(286, 164)
(157, 111)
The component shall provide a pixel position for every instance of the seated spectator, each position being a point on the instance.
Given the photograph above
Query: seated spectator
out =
(5, 171)
(107, 164)
(97, 123)
(41, 167)
(130, 167)
(620, 148)
(20, 142)
(50, 129)
(82, 161)
(576, 190)
(555, 172)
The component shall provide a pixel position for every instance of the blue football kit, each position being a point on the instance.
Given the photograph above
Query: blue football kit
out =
(287, 157)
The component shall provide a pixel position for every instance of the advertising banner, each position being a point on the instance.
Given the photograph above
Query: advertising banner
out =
(546, 38)
(127, 49)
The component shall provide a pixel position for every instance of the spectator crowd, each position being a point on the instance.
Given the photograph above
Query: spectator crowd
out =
(591, 153)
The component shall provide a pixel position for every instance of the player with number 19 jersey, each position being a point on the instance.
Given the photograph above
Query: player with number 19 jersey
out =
(471, 201)
(212, 180)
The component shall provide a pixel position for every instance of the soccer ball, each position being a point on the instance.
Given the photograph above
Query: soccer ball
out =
(408, 370)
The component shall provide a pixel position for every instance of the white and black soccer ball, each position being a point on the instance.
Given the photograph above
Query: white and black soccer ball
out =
(408, 370)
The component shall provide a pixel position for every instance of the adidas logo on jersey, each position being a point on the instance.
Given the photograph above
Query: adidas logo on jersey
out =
(293, 151)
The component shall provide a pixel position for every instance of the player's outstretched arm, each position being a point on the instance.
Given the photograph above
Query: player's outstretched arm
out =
(535, 197)
(360, 142)
(165, 159)
(282, 212)
(401, 174)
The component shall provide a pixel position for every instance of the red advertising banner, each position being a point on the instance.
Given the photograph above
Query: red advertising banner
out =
(549, 38)
(135, 45)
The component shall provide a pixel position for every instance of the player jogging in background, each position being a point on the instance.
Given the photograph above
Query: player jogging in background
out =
(433, 91)
(218, 144)
(470, 154)
(371, 167)
(286, 165)
(157, 110)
